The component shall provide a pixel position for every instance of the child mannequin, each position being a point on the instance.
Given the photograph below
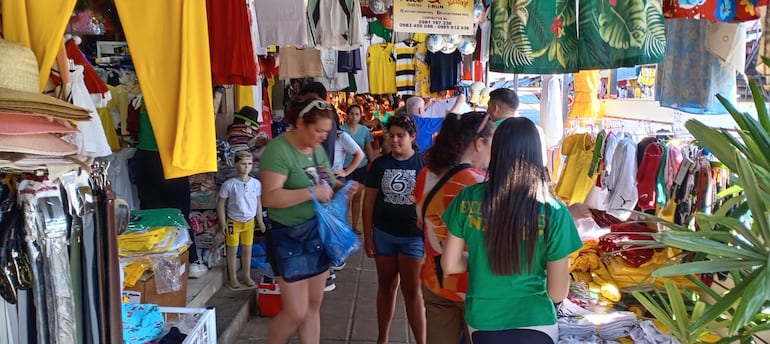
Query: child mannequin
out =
(238, 206)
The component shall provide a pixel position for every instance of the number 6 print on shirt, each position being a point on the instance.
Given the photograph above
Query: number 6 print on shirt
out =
(397, 186)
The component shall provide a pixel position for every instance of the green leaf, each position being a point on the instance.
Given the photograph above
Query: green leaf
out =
(511, 41)
(702, 286)
(657, 311)
(760, 105)
(730, 191)
(736, 225)
(697, 310)
(753, 198)
(728, 205)
(752, 301)
(654, 43)
(623, 26)
(708, 266)
(702, 244)
(677, 304)
(725, 303)
(714, 141)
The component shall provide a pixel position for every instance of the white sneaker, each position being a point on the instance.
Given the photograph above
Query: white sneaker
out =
(330, 285)
(197, 270)
(338, 267)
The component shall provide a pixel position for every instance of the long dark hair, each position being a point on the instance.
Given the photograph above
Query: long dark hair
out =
(515, 192)
(457, 133)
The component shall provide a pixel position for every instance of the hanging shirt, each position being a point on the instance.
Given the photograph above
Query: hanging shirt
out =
(647, 175)
(376, 28)
(443, 70)
(349, 61)
(426, 128)
(259, 49)
(362, 76)
(621, 182)
(282, 23)
(300, 63)
(422, 72)
(331, 79)
(597, 48)
(714, 10)
(405, 68)
(575, 181)
(178, 30)
(381, 64)
(440, 108)
(231, 49)
(91, 132)
(335, 24)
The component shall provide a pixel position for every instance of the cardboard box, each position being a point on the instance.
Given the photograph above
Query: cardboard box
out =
(145, 290)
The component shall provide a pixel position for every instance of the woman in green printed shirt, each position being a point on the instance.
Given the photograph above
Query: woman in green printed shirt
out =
(514, 282)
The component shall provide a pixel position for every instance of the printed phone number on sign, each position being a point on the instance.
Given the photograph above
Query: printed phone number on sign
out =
(427, 24)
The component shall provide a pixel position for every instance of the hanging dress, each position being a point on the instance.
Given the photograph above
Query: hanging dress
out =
(691, 76)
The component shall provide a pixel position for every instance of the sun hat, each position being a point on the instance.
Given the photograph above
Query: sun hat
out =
(19, 82)
(14, 123)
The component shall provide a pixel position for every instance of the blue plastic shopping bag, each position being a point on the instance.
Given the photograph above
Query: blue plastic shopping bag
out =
(339, 240)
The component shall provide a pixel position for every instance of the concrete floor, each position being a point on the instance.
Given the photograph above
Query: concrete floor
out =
(348, 314)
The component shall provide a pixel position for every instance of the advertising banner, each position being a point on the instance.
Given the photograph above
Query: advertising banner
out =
(449, 17)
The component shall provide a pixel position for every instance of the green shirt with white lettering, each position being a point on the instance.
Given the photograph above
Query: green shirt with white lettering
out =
(495, 303)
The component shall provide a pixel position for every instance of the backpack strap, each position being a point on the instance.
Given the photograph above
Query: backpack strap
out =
(441, 183)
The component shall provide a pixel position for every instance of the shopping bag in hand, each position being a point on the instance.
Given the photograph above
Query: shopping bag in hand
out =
(339, 240)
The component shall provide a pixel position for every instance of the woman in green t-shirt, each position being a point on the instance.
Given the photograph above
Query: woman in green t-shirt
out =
(514, 282)
(290, 164)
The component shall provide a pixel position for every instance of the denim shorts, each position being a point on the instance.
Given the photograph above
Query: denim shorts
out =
(388, 245)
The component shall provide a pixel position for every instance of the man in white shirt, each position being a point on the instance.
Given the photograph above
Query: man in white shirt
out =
(503, 103)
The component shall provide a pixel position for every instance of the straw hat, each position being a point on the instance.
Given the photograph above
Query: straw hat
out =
(19, 82)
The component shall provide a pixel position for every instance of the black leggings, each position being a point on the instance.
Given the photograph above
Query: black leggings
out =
(515, 336)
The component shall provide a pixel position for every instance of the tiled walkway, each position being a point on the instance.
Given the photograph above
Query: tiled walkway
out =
(348, 314)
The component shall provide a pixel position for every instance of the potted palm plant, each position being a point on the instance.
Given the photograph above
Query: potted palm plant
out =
(734, 239)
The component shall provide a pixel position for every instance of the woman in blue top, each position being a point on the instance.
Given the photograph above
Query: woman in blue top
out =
(519, 237)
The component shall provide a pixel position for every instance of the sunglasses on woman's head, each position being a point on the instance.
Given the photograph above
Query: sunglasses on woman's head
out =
(318, 104)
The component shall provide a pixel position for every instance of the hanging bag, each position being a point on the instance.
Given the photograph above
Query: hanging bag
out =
(338, 238)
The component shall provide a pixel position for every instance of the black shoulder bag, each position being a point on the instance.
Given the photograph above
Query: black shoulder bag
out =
(428, 198)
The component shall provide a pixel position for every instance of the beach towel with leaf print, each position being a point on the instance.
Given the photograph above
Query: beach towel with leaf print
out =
(543, 37)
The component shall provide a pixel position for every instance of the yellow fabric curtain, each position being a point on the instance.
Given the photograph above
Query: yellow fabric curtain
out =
(170, 50)
(40, 25)
(586, 103)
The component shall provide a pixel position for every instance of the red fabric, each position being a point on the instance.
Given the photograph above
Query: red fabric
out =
(267, 117)
(268, 66)
(615, 242)
(132, 124)
(647, 175)
(745, 10)
(94, 83)
(230, 46)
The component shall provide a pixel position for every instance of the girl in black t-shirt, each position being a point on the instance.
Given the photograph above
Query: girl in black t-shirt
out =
(391, 235)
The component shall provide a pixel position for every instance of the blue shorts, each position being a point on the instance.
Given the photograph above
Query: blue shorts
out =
(388, 245)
